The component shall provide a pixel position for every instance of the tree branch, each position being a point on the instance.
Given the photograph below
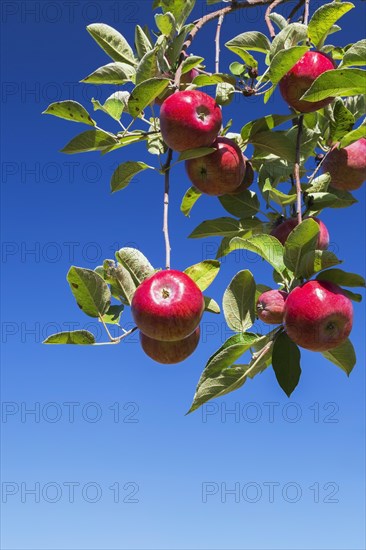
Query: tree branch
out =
(267, 18)
(217, 43)
(295, 9)
(306, 12)
(166, 169)
(297, 169)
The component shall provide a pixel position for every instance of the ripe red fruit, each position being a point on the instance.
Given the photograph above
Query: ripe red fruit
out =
(167, 306)
(299, 79)
(220, 172)
(169, 353)
(318, 316)
(270, 306)
(282, 231)
(190, 119)
(347, 166)
(248, 177)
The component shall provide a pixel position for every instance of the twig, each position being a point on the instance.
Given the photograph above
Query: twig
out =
(267, 18)
(217, 43)
(295, 9)
(306, 12)
(297, 169)
(111, 338)
(312, 177)
(166, 169)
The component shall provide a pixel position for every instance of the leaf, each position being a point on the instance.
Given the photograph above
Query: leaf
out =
(252, 41)
(323, 20)
(277, 196)
(238, 301)
(342, 278)
(113, 73)
(320, 184)
(125, 172)
(211, 306)
(195, 153)
(286, 363)
(155, 142)
(224, 93)
(112, 42)
(352, 295)
(316, 260)
(70, 110)
(91, 140)
(284, 60)
(353, 136)
(262, 124)
(190, 198)
(191, 62)
(148, 66)
(113, 315)
(355, 55)
(218, 227)
(335, 83)
(142, 42)
(343, 356)
(114, 105)
(203, 273)
(216, 380)
(279, 20)
(302, 239)
(145, 93)
(122, 285)
(136, 264)
(91, 292)
(165, 23)
(342, 122)
(266, 246)
(275, 143)
(290, 36)
(210, 80)
(242, 205)
(179, 8)
(81, 337)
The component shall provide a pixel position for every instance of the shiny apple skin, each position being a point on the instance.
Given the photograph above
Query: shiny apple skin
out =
(271, 306)
(347, 166)
(169, 353)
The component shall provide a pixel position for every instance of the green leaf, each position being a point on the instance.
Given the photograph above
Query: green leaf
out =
(224, 93)
(125, 172)
(355, 55)
(335, 83)
(142, 42)
(210, 80)
(91, 140)
(145, 93)
(195, 153)
(155, 142)
(352, 295)
(218, 227)
(242, 205)
(203, 273)
(316, 260)
(189, 200)
(266, 246)
(286, 363)
(180, 9)
(357, 105)
(345, 198)
(319, 184)
(70, 110)
(342, 278)
(343, 356)
(252, 41)
(324, 19)
(91, 292)
(237, 68)
(318, 201)
(136, 264)
(211, 306)
(165, 23)
(148, 66)
(114, 105)
(342, 122)
(353, 136)
(113, 73)
(113, 315)
(284, 60)
(81, 337)
(301, 240)
(279, 20)
(216, 380)
(112, 42)
(277, 196)
(120, 280)
(274, 143)
(238, 301)
(190, 63)
(290, 36)
(263, 124)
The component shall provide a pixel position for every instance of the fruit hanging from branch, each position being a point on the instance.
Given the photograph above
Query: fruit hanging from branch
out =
(169, 353)
(347, 166)
(282, 230)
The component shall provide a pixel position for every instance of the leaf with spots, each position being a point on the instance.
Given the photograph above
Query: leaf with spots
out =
(145, 93)
(70, 110)
(91, 292)
(80, 337)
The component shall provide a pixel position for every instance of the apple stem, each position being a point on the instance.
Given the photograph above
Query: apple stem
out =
(267, 18)
(166, 169)
(217, 42)
(297, 169)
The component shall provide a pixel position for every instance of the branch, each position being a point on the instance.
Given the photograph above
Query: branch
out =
(217, 43)
(267, 18)
(294, 10)
(166, 169)
(306, 12)
(297, 169)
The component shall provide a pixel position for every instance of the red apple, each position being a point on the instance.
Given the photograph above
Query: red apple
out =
(169, 353)
(220, 172)
(185, 80)
(282, 231)
(270, 306)
(347, 166)
(248, 177)
(190, 119)
(167, 306)
(318, 315)
(299, 79)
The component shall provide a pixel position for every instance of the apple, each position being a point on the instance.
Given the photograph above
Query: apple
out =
(220, 172)
(248, 178)
(185, 80)
(347, 166)
(318, 315)
(169, 353)
(190, 119)
(282, 231)
(271, 305)
(167, 306)
(299, 79)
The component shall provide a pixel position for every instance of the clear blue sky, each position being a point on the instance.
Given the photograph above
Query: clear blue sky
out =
(108, 416)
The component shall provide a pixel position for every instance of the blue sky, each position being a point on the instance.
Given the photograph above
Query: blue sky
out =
(110, 457)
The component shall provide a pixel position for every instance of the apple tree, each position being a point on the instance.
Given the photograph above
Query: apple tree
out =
(273, 201)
